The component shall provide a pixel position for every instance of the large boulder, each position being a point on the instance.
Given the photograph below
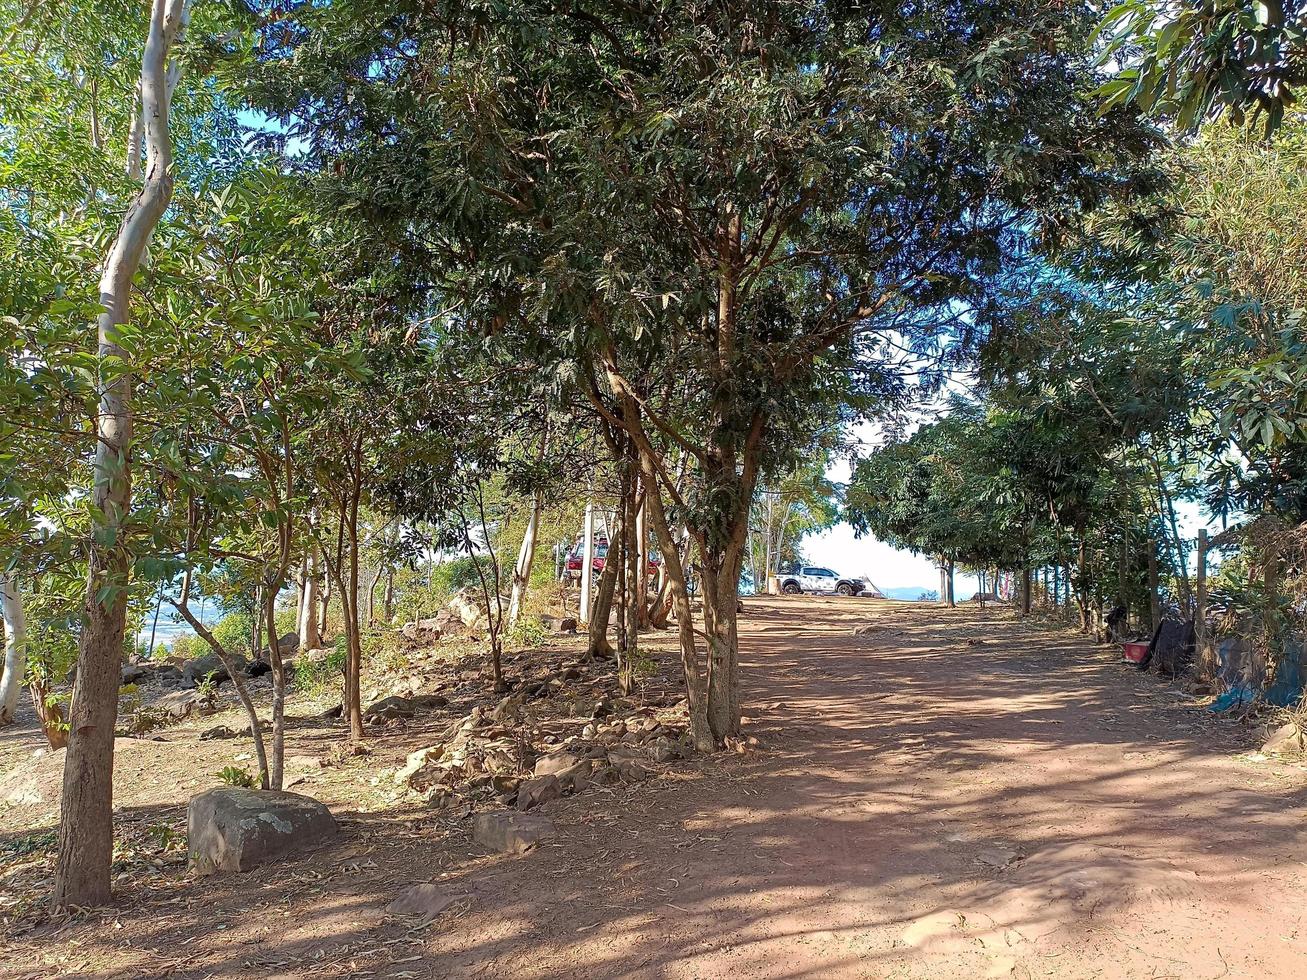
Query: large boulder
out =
(286, 645)
(233, 829)
(467, 607)
(195, 671)
(424, 630)
(510, 832)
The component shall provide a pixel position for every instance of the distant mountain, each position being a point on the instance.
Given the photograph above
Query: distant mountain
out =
(912, 592)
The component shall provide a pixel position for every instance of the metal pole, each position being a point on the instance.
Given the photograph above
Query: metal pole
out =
(587, 561)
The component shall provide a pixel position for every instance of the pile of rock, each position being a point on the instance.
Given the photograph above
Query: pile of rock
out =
(489, 756)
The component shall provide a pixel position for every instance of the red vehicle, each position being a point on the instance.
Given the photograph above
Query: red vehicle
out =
(575, 558)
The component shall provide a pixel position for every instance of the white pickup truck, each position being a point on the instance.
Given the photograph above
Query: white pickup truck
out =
(813, 578)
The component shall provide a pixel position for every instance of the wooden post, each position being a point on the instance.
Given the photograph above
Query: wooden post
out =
(1155, 605)
(587, 561)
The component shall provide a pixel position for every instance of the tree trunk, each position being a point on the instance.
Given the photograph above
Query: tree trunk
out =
(276, 763)
(307, 626)
(1154, 602)
(1026, 588)
(952, 599)
(86, 809)
(324, 609)
(349, 598)
(696, 691)
(15, 663)
(632, 606)
(242, 693)
(53, 723)
(1082, 585)
(601, 608)
(525, 559)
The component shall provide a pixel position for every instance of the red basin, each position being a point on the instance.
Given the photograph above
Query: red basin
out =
(1135, 652)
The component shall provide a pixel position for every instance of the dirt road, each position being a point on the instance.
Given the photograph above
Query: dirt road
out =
(954, 795)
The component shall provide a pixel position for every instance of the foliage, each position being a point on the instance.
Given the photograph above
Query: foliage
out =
(1197, 59)
(233, 776)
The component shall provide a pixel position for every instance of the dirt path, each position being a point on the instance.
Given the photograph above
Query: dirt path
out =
(954, 795)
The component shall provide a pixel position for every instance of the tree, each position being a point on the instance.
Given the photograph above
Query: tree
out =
(1195, 60)
(713, 217)
(86, 808)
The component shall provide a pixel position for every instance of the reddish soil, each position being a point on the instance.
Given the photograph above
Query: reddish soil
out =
(955, 795)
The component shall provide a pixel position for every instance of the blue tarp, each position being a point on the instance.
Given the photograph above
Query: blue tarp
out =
(1242, 675)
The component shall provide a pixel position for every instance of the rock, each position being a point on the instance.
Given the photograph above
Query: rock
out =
(316, 655)
(539, 790)
(429, 702)
(233, 829)
(178, 704)
(195, 671)
(335, 711)
(427, 901)
(1288, 739)
(997, 857)
(577, 777)
(286, 645)
(389, 708)
(553, 764)
(507, 711)
(665, 749)
(605, 775)
(510, 832)
(556, 624)
(865, 630)
(465, 605)
(222, 731)
(423, 630)
(630, 772)
(134, 672)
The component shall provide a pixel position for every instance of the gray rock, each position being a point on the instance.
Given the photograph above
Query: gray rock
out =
(539, 790)
(198, 669)
(997, 857)
(510, 832)
(178, 704)
(389, 708)
(233, 829)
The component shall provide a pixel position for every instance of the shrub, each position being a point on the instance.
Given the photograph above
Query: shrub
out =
(233, 632)
(287, 621)
(188, 647)
(529, 632)
(237, 777)
(316, 679)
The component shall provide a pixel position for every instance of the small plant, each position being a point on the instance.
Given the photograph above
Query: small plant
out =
(165, 835)
(317, 678)
(529, 632)
(207, 688)
(237, 777)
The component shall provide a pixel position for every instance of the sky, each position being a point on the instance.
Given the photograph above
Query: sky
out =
(839, 549)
